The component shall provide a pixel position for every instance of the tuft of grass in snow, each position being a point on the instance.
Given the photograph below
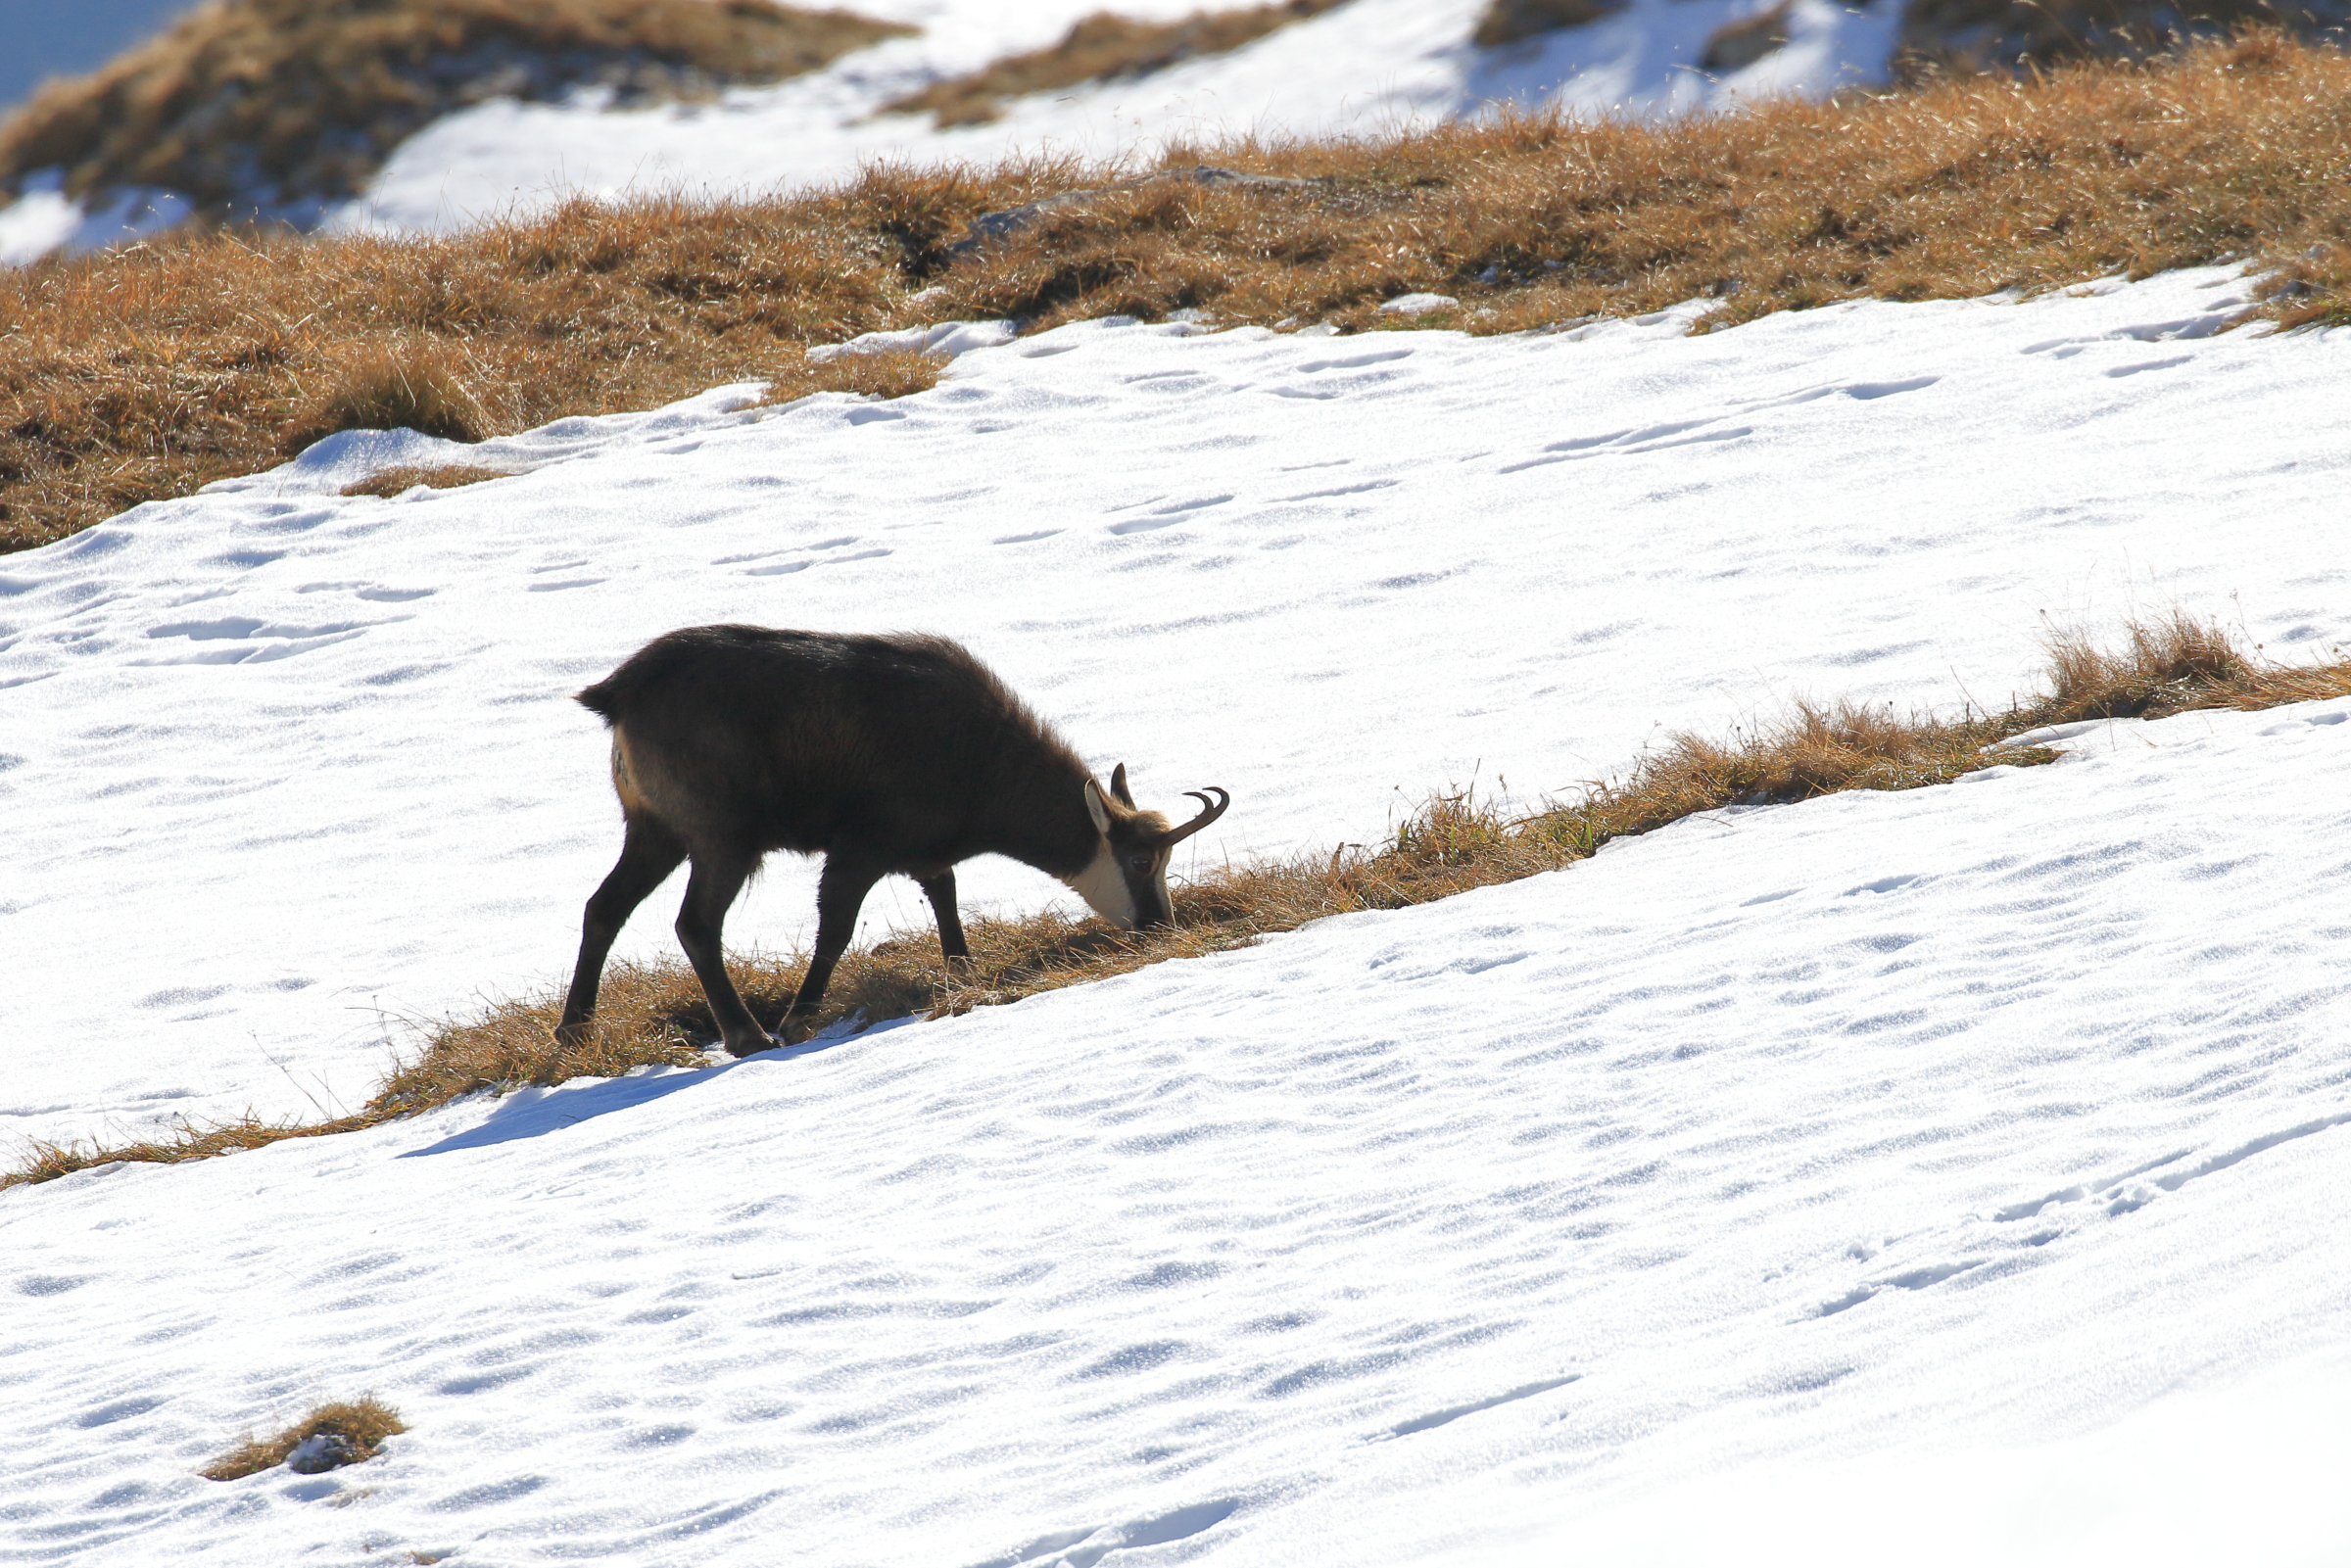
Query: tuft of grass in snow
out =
(291, 102)
(147, 372)
(46, 1162)
(406, 383)
(389, 482)
(1098, 48)
(887, 373)
(363, 1424)
(655, 1013)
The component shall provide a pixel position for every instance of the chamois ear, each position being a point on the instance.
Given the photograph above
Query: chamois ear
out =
(1118, 787)
(1095, 808)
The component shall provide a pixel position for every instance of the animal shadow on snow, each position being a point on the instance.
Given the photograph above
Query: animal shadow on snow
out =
(534, 1112)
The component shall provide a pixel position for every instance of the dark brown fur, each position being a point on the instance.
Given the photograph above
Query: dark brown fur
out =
(884, 754)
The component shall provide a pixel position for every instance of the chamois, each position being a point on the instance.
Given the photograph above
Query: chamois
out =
(884, 754)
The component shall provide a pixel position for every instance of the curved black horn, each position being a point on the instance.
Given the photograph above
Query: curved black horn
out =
(1209, 811)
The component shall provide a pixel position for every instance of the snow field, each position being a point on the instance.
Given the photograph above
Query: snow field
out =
(1951, 1175)
(282, 769)
(1809, 1137)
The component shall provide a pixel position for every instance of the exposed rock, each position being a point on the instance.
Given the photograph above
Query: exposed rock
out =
(1508, 21)
(1968, 36)
(322, 1452)
(1736, 45)
(1102, 47)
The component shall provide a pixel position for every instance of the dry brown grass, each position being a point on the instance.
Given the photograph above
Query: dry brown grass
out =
(347, 82)
(1100, 48)
(145, 373)
(1961, 189)
(656, 1013)
(363, 1423)
(412, 383)
(389, 482)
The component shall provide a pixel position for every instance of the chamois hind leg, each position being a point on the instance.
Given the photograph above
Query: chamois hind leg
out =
(940, 890)
(840, 894)
(649, 853)
(701, 922)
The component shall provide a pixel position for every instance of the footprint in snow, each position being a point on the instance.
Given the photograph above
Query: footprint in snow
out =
(1909, 1279)
(1454, 1412)
(1087, 1546)
(2138, 1187)
(250, 640)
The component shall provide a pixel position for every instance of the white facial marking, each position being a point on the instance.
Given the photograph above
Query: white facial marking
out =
(1101, 885)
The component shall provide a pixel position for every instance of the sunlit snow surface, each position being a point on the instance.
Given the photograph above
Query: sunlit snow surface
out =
(1858, 1166)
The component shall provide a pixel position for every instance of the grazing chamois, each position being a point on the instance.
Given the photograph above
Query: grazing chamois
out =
(883, 754)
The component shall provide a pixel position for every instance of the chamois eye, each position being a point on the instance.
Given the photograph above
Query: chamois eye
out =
(1139, 862)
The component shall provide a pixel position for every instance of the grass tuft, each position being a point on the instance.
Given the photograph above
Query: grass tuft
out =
(2161, 666)
(409, 384)
(363, 1424)
(656, 1014)
(389, 482)
(889, 373)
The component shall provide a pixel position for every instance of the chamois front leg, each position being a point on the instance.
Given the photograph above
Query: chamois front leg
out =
(702, 923)
(940, 890)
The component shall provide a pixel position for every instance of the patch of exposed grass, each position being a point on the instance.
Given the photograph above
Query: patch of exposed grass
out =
(46, 1162)
(406, 383)
(389, 482)
(656, 1014)
(887, 373)
(342, 84)
(1100, 47)
(147, 373)
(359, 1426)
(138, 375)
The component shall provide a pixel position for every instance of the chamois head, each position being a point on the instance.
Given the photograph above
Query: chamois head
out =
(1127, 882)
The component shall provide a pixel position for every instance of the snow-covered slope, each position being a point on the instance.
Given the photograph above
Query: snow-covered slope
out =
(1866, 1130)
(283, 768)
(1366, 68)
(1777, 1155)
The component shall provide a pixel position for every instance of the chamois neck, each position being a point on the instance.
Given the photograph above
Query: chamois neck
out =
(1039, 816)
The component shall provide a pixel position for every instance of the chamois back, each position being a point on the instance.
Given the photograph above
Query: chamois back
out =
(905, 748)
